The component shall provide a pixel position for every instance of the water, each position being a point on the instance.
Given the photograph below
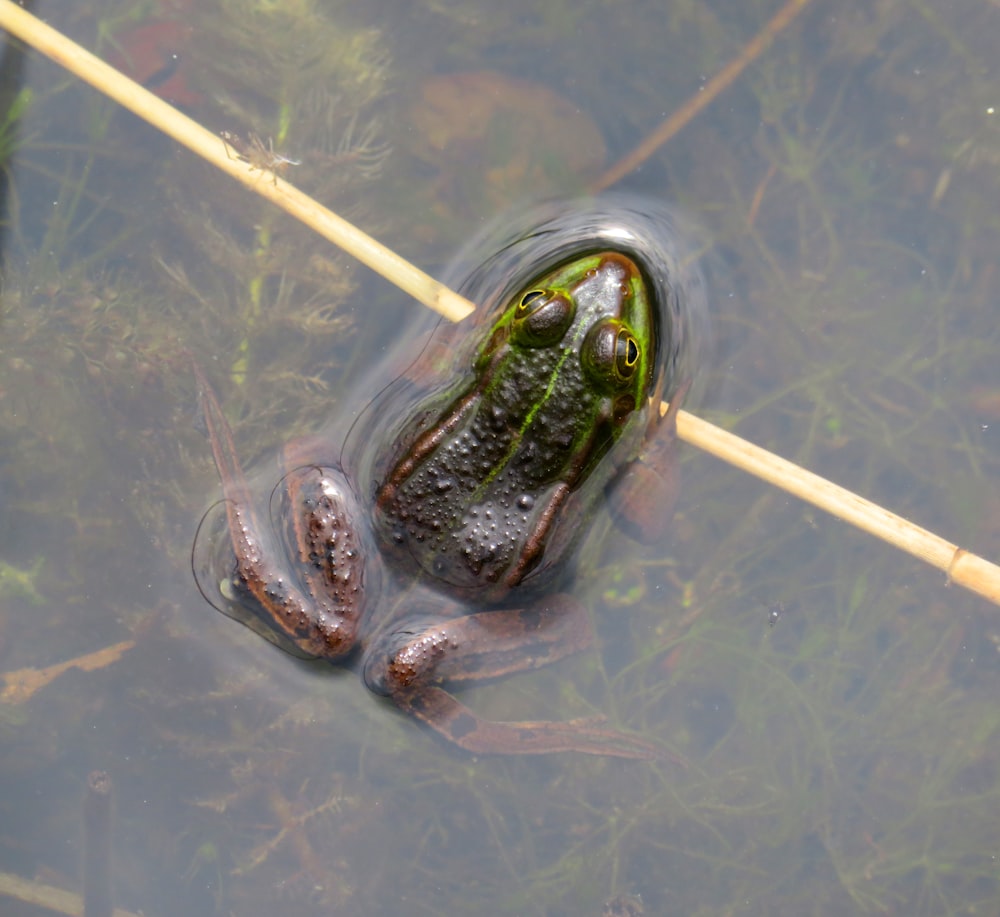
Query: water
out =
(841, 759)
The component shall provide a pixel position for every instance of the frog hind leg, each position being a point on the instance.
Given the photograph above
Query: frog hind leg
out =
(458, 724)
(410, 665)
(306, 625)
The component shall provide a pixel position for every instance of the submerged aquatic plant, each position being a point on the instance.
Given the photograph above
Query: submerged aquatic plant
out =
(291, 85)
(125, 261)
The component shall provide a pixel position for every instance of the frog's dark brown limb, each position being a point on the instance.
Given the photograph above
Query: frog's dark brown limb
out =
(487, 644)
(493, 644)
(323, 622)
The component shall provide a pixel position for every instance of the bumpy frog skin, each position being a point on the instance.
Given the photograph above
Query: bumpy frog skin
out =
(449, 573)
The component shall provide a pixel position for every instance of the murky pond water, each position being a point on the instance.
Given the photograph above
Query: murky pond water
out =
(829, 701)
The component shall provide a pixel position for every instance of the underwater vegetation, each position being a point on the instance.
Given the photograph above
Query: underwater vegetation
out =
(832, 701)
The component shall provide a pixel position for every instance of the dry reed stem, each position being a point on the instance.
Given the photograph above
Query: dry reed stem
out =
(212, 148)
(960, 566)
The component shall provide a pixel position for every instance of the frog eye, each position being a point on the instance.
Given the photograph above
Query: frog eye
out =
(626, 354)
(523, 307)
(541, 318)
(610, 355)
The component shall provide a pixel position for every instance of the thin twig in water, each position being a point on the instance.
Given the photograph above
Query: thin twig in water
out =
(703, 97)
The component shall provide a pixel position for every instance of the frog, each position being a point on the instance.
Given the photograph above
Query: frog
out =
(436, 550)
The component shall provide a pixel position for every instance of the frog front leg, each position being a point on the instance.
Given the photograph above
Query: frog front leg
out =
(642, 495)
(306, 587)
(411, 664)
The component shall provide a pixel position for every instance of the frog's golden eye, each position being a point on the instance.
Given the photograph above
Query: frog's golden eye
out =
(610, 355)
(626, 354)
(523, 307)
(541, 318)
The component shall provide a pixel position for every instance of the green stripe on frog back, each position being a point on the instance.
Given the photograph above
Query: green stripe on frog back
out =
(518, 437)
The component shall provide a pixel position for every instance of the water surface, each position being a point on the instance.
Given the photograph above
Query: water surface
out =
(832, 701)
